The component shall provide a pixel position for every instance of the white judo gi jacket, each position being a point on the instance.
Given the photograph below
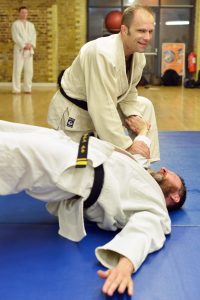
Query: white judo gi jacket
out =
(98, 76)
(41, 161)
(21, 35)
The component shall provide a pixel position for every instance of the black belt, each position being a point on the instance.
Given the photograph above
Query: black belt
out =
(80, 103)
(81, 162)
(96, 188)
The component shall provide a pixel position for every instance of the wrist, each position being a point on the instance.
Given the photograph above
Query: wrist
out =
(131, 149)
(126, 263)
(143, 131)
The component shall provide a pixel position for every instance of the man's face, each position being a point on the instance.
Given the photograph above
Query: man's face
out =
(23, 14)
(137, 37)
(169, 181)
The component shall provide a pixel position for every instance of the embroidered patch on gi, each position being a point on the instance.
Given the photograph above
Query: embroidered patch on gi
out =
(70, 122)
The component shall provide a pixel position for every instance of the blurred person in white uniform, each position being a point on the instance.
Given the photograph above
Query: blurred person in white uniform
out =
(24, 38)
(113, 190)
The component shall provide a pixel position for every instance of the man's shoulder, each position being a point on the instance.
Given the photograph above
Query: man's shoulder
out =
(108, 44)
(19, 22)
(16, 22)
(30, 23)
(107, 47)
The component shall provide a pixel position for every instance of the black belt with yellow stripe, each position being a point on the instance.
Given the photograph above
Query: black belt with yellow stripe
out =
(81, 162)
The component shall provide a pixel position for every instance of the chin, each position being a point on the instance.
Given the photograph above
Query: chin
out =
(141, 50)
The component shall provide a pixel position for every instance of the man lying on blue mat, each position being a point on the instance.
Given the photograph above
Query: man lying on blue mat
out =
(106, 186)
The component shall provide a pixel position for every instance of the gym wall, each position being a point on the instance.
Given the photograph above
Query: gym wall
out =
(197, 35)
(61, 31)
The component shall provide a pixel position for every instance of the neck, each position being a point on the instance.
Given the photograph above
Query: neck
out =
(127, 50)
(128, 57)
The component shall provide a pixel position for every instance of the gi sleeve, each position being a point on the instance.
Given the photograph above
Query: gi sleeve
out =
(143, 234)
(33, 36)
(143, 161)
(17, 36)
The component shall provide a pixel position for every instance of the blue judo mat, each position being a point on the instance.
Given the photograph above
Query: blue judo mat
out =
(37, 264)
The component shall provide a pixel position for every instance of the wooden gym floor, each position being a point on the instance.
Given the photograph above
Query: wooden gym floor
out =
(177, 108)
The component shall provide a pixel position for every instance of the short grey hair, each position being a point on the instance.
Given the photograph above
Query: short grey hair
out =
(129, 13)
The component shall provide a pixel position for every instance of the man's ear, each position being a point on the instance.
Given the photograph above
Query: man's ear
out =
(175, 197)
(172, 198)
(124, 29)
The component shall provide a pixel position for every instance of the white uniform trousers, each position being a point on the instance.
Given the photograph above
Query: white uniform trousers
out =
(23, 60)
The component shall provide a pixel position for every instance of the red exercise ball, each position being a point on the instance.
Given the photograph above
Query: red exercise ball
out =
(113, 21)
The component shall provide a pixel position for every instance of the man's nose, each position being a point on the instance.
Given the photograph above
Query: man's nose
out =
(147, 36)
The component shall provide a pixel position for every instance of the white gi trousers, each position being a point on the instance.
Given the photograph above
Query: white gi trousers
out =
(22, 60)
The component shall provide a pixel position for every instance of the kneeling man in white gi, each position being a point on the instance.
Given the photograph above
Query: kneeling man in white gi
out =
(113, 190)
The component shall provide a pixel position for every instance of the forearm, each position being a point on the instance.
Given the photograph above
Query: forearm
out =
(137, 244)
(128, 106)
(139, 147)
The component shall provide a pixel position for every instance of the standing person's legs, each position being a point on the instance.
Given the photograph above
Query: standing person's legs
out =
(28, 73)
(18, 63)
